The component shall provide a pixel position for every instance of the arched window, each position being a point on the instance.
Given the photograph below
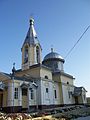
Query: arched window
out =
(37, 54)
(26, 55)
(67, 83)
(46, 77)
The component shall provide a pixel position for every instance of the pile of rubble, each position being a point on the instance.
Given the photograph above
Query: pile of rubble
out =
(14, 116)
(72, 112)
(24, 116)
(64, 113)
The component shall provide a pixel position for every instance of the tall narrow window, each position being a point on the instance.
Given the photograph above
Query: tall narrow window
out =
(69, 95)
(46, 90)
(16, 93)
(37, 54)
(55, 93)
(47, 93)
(26, 55)
(32, 94)
(84, 96)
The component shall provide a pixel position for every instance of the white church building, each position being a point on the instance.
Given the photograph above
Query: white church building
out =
(38, 84)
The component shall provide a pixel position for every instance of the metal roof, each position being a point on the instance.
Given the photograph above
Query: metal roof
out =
(31, 37)
(4, 76)
(78, 91)
(53, 55)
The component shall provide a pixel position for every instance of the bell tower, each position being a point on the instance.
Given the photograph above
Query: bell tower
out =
(31, 48)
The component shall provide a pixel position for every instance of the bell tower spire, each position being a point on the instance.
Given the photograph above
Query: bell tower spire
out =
(31, 48)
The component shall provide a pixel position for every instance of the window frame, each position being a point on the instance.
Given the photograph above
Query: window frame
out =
(15, 93)
(47, 91)
(32, 94)
(26, 54)
(37, 54)
(55, 94)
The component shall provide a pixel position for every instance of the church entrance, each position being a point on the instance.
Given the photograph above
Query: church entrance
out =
(1, 98)
(24, 98)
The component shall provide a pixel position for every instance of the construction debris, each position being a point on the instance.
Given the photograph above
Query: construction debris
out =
(15, 116)
(64, 113)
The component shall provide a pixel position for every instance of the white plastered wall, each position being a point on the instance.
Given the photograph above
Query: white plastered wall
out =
(67, 89)
(49, 99)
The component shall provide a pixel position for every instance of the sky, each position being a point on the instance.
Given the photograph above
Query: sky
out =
(58, 23)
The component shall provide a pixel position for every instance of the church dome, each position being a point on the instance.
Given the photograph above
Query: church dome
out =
(54, 61)
(53, 55)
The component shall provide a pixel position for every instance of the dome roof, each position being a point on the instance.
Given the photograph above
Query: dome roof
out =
(53, 55)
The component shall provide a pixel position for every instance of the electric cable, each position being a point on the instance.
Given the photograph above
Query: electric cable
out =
(77, 42)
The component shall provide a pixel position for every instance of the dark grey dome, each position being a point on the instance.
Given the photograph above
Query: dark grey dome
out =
(53, 55)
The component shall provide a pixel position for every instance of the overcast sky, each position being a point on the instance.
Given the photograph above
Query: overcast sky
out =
(58, 23)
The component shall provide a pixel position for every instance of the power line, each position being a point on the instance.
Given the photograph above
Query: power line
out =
(77, 42)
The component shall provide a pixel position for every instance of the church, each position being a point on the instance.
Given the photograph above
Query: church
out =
(39, 84)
